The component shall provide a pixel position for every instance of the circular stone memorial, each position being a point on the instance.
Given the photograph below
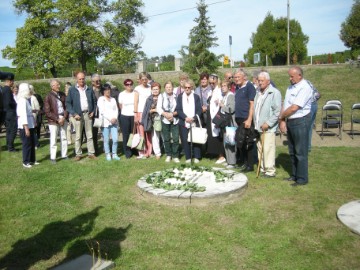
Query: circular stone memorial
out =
(193, 184)
(349, 215)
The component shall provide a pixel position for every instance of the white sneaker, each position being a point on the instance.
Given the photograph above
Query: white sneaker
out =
(176, 160)
(196, 160)
(230, 166)
(219, 161)
(188, 161)
(27, 165)
(168, 159)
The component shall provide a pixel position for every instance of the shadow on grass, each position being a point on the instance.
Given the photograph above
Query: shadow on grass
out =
(283, 161)
(49, 241)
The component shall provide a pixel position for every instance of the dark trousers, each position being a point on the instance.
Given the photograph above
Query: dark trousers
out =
(246, 151)
(11, 129)
(95, 132)
(170, 131)
(127, 126)
(298, 138)
(187, 145)
(28, 146)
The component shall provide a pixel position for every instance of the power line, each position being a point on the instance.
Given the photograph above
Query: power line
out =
(179, 10)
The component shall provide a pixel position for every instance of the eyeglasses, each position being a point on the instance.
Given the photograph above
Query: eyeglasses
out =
(98, 81)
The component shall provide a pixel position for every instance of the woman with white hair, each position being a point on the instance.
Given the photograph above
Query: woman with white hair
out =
(26, 124)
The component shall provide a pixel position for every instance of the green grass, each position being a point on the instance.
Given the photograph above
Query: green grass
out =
(51, 213)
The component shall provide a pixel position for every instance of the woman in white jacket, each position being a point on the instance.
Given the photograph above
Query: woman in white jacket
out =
(26, 124)
(108, 112)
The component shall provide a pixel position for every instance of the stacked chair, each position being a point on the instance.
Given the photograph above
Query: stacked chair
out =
(355, 117)
(332, 117)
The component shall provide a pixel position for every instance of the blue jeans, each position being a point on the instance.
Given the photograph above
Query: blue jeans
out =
(298, 138)
(314, 108)
(114, 136)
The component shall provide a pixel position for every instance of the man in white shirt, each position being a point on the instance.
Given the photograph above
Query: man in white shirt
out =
(295, 120)
(81, 103)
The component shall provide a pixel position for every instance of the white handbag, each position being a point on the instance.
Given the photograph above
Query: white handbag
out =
(197, 134)
(98, 122)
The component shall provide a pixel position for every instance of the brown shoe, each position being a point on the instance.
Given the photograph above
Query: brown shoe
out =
(77, 158)
(92, 157)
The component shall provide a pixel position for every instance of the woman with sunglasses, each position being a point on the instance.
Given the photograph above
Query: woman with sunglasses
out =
(188, 108)
(126, 104)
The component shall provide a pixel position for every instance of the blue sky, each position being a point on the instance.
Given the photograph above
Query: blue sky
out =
(165, 34)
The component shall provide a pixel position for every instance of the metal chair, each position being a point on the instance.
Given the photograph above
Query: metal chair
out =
(355, 117)
(331, 117)
(337, 102)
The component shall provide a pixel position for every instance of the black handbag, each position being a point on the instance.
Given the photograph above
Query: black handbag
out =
(222, 120)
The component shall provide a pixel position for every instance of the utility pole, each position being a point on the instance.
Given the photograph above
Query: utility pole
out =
(288, 32)
(230, 42)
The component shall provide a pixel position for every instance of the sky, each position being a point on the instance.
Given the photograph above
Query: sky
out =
(165, 34)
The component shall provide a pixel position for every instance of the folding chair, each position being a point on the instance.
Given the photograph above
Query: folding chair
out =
(337, 102)
(355, 117)
(331, 117)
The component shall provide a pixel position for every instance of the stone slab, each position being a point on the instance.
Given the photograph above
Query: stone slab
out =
(349, 215)
(85, 262)
(214, 189)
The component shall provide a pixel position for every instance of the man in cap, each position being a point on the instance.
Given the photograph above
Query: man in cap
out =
(9, 105)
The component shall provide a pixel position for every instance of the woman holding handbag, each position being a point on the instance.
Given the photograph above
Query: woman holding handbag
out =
(188, 108)
(227, 105)
(126, 104)
(141, 93)
(148, 119)
(108, 111)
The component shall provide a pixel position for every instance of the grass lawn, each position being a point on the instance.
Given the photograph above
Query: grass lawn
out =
(51, 213)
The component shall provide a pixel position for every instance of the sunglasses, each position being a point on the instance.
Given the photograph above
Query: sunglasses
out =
(128, 84)
(187, 87)
(98, 81)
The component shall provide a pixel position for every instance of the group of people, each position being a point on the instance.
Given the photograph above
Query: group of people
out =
(165, 119)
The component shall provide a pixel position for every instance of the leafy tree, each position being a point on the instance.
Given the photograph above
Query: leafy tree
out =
(60, 32)
(197, 57)
(271, 39)
(350, 28)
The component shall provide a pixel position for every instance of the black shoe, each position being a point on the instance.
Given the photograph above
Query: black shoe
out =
(291, 178)
(267, 176)
(298, 184)
(247, 169)
(242, 167)
(13, 150)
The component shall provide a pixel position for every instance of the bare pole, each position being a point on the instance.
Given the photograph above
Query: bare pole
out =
(288, 32)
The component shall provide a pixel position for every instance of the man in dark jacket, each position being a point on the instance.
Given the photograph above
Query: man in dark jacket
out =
(9, 105)
(56, 114)
(81, 103)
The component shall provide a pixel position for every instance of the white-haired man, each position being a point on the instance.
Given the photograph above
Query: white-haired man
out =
(267, 104)
(56, 114)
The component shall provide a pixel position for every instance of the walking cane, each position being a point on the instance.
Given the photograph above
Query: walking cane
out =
(191, 145)
(261, 154)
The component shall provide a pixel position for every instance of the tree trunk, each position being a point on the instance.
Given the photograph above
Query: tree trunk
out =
(53, 71)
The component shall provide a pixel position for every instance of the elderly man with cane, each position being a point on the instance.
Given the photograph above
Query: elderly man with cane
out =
(267, 104)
